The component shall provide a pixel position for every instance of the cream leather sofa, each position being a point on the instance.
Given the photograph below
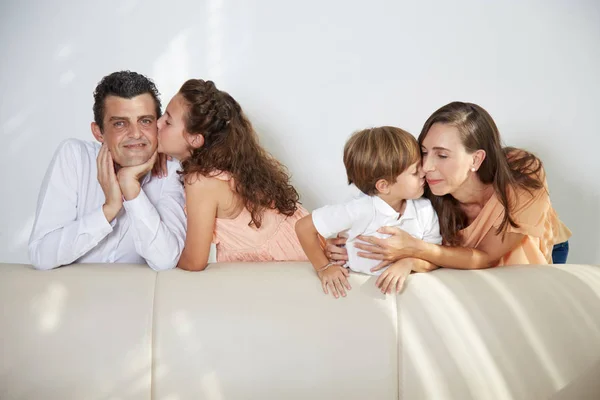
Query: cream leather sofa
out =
(266, 331)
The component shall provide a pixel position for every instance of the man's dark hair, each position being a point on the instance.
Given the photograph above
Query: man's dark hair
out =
(125, 84)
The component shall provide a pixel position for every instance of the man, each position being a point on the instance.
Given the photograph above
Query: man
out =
(99, 201)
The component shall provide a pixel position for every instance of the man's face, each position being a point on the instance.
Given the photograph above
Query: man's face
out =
(130, 130)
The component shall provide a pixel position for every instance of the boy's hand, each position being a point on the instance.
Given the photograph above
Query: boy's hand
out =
(393, 278)
(335, 278)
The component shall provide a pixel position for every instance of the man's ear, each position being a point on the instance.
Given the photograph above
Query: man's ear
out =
(382, 186)
(97, 132)
(196, 141)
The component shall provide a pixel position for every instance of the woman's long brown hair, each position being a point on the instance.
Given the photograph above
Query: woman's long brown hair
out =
(503, 168)
(231, 145)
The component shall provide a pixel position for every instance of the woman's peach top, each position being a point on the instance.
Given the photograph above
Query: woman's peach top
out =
(536, 218)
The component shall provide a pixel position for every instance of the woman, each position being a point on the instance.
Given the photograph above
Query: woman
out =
(492, 202)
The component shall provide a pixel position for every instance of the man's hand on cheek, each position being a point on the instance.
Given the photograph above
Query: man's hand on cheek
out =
(109, 184)
(129, 177)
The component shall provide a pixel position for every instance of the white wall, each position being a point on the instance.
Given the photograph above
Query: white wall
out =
(309, 73)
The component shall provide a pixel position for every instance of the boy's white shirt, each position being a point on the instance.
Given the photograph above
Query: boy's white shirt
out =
(365, 215)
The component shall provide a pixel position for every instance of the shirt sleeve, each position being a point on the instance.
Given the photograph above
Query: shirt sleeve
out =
(58, 236)
(159, 230)
(333, 219)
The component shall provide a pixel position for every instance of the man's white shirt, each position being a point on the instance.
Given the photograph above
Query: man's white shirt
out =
(70, 226)
(365, 215)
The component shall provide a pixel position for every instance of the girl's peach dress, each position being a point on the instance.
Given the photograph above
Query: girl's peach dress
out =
(275, 240)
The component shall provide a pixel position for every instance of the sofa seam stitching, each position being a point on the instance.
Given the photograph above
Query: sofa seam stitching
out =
(399, 350)
(152, 333)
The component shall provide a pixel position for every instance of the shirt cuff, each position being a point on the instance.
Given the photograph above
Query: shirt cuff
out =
(97, 218)
(140, 207)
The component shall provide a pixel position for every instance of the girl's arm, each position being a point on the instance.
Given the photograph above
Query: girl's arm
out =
(202, 196)
(333, 277)
(401, 245)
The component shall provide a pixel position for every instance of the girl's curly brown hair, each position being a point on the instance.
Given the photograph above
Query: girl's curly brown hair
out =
(231, 145)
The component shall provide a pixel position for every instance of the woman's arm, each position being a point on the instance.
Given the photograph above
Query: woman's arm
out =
(201, 202)
(417, 265)
(401, 245)
(335, 252)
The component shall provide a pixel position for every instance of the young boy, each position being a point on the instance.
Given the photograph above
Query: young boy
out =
(385, 164)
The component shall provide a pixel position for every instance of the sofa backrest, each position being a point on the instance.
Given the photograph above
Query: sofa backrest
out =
(266, 331)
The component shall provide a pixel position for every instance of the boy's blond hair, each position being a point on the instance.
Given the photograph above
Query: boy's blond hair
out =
(379, 153)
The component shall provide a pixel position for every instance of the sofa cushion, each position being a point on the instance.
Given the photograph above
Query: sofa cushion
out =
(77, 332)
(523, 332)
(267, 331)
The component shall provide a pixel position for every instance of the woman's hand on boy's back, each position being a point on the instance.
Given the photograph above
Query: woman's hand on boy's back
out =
(400, 244)
(335, 279)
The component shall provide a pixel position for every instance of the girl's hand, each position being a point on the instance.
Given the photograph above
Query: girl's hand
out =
(399, 245)
(392, 279)
(335, 278)
(160, 166)
(335, 251)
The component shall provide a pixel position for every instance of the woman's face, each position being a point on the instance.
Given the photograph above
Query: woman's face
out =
(446, 163)
(171, 130)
